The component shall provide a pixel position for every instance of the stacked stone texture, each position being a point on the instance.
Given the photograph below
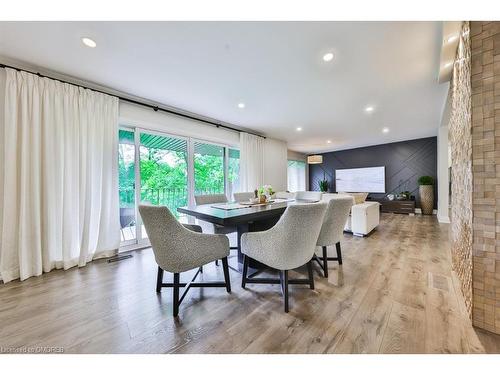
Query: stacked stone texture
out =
(460, 138)
(485, 84)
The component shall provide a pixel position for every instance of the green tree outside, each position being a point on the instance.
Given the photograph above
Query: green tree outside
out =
(164, 176)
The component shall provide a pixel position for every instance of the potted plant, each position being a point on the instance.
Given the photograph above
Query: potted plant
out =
(406, 194)
(323, 186)
(426, 188)
(265, 193)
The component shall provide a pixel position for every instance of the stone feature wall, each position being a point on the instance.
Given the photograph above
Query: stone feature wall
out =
(485, 79)
(460, 138)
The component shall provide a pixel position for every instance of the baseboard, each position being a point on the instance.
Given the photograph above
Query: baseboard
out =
(419, 211)
(360, 234)
(443, 219)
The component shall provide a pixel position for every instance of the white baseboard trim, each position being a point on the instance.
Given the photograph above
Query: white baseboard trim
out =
(419, 211)
(443, 219)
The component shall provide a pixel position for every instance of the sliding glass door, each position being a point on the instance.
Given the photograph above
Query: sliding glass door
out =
(161, 169)
(208, 168)
(163, 172)
(233, 172)
(126, 185)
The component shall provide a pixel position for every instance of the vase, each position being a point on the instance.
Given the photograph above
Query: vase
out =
(427, 199)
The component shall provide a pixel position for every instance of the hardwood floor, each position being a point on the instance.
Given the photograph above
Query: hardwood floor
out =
(395, 293)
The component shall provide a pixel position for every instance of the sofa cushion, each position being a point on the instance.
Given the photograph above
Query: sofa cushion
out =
(358, 197)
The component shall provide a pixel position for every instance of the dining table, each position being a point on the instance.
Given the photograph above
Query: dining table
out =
(243, 217)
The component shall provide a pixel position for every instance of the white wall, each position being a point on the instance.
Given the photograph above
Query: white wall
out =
(443, 153)
(443, 178)
(2, 126)
(143, 117)
(294, 155)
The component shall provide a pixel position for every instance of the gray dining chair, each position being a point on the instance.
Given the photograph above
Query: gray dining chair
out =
(211, 227)
(284, 195)
(243, 197)
(332, 230)
(178, 248)
(289, 244)
(309, 195)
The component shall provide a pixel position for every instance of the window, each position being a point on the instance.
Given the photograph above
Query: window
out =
(233, 172)
(208, 169)
(296, 175)
(163, 172)
(161, 169)
(126, 184)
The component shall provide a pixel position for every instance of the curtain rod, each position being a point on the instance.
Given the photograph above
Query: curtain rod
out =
(153, 107)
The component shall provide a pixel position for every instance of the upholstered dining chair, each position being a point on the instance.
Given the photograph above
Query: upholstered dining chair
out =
(178, 248)
(284, 195)
(243, 197)
(210, 227)
(289, 244)
(309, 195)
(332, 230)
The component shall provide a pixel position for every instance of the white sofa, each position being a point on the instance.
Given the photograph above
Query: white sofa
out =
(364, 217)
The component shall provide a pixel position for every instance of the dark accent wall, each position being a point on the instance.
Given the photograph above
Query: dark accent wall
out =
(404, 163)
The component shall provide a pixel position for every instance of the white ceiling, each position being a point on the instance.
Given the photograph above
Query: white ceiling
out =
(275, 68)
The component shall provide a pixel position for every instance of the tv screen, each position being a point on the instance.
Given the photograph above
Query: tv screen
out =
(360, 180)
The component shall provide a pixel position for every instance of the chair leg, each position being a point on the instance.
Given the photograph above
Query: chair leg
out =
(310, 272)
(225, 267)
(285, 288)
(201, 269)
(216, 262)
(339, 252)
(176, 294)
(159, 280)
(245, 270)
(325, 262)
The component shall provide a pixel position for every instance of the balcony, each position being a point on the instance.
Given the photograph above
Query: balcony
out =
(172, 198)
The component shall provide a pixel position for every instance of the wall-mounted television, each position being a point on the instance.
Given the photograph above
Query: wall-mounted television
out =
(357, 180)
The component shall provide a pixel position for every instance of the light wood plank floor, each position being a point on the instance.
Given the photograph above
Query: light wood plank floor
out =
(395, 293)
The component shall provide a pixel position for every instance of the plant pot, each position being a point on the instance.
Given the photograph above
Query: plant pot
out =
(427, 199)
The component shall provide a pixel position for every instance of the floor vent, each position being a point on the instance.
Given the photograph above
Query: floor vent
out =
(439, 282)
(119, 257)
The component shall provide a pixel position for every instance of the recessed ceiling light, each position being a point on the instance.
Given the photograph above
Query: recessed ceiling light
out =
(369, 108)
(299, 129)
(89, 42)
(448, 64)
(241, 105)
(328, 141)
(328, 56)
(385, 130)
(452, 38)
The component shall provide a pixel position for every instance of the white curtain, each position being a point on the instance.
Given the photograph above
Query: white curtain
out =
(59, 206)
(251, 162)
